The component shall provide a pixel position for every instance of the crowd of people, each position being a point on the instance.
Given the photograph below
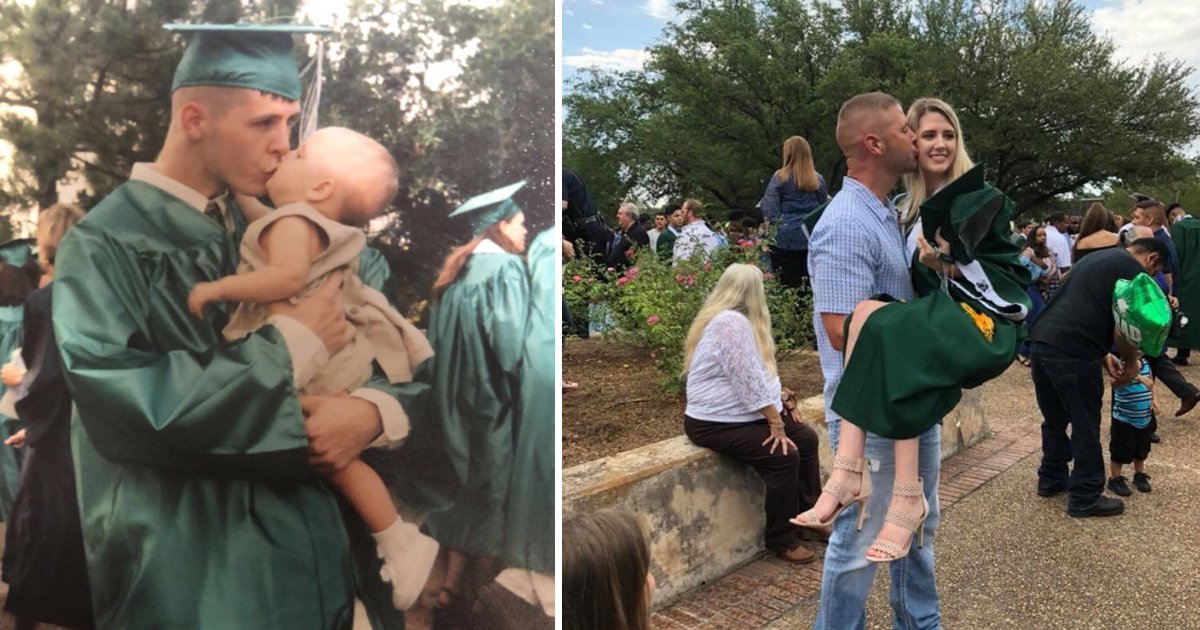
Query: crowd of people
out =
(939, 277)
(226, 423)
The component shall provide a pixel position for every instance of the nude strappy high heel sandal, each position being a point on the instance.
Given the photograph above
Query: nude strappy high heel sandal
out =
(845, 497)
(904, 518)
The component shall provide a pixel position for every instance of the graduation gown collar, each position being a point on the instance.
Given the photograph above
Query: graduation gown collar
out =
(488, 246)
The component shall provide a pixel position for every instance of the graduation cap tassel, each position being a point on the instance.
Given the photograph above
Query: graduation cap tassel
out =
(312, 97)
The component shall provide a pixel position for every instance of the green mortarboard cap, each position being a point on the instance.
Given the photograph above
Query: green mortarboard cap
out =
(964, 210)
(17, 251)
(252, 56)
(491, 207)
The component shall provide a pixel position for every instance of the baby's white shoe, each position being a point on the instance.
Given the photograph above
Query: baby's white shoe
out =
(408, 557)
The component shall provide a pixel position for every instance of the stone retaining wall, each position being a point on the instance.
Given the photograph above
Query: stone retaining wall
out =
(705, 511)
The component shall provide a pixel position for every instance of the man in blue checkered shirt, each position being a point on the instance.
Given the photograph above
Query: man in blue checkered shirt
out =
(858, 251)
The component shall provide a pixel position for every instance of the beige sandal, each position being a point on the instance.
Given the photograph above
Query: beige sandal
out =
(909, 521)
(845, 497)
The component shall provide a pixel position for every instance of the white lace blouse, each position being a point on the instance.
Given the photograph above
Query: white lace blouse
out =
(726, 380)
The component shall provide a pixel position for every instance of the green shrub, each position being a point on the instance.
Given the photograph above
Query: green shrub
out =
(652, 303)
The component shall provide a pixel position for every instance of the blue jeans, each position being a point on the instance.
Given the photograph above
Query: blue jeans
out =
(848, 576)
(1036, 308)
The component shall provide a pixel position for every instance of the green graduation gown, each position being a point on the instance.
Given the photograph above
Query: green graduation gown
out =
(461, 460)
(10, 468)
(197, 504)
(1186, 235)
(529, 510)
(15, 254)
(913, 359)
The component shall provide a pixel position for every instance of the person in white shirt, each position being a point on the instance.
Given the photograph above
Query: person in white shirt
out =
(695, 234)
(1058, 241)
(734, 407)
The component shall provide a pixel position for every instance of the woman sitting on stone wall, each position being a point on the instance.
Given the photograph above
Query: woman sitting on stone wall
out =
(734, 407)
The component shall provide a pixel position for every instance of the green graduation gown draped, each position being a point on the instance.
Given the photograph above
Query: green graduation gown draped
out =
(461, 460)
(913, 359)
(1186, 235)
(197, 504)
(529, 511)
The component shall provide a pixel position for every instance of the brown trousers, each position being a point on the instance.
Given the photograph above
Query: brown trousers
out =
(793, 481)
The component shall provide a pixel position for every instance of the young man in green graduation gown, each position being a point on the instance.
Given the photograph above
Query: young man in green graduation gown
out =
(194, 457)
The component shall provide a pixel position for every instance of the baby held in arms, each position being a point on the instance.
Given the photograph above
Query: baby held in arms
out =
(324, 192)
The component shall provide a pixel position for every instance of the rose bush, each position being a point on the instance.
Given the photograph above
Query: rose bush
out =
(653, 302)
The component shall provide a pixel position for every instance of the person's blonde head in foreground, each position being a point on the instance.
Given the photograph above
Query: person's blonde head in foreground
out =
(740, 289)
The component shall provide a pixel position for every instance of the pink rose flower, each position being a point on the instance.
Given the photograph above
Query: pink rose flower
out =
(622, 280)
(768, 276)
(575, 279)
(652, 320)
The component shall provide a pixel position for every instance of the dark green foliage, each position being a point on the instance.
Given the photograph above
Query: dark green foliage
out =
(98, 75)
(1044, 103)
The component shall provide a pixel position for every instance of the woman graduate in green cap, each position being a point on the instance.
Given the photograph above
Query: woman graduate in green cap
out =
(528, 547)
(461, 464)
(913, 359)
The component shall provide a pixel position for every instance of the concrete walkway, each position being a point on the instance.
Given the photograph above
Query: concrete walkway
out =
(1008, 558)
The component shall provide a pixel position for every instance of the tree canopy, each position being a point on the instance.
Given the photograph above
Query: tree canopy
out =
(459, 94)
(1044, 101)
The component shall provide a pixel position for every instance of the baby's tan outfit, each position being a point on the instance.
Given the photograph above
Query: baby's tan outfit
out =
(383, 335)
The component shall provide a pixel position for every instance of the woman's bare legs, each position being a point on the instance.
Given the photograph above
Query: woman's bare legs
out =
(852, 440)
(906, 473)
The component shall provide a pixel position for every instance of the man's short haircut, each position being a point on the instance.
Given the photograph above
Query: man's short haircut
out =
(1022, 223)
(1173, 206)
(1155, 214)
(695, 206)
(1055, 218)
(853, 111)
(629, 209)
(1150, 245)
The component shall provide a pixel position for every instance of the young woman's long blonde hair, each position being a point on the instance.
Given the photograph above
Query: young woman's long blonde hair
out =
(798, 165)
(914, 183)
(739, 289)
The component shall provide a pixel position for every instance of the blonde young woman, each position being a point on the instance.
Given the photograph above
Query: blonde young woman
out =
(733, 403)
(795, 190)
(919, 397)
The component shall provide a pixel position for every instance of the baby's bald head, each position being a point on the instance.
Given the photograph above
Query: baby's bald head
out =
(862, 115)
